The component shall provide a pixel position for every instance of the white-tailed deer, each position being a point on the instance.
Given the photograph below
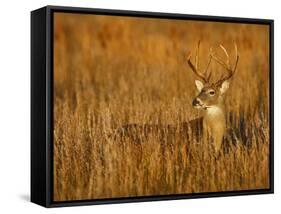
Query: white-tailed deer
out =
(210, 127)
(211, 95)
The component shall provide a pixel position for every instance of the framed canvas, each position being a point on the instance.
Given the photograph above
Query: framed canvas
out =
(131, 106)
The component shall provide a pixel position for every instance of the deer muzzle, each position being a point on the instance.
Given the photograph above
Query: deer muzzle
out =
(197, 102)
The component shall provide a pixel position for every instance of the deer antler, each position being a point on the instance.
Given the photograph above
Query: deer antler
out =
(226, 65)
(195, 68)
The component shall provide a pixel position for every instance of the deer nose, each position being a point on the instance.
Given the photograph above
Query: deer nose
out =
(196, 102)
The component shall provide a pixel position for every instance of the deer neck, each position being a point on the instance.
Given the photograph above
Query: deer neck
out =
(214, 124)
(215, 117)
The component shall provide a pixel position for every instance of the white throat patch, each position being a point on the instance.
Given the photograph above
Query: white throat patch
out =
(214, 111)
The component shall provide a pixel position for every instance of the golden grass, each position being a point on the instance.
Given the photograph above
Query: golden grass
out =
(112, 71)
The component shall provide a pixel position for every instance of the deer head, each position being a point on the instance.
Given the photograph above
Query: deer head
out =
(211, 94)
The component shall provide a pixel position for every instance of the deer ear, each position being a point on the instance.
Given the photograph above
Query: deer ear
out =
(199, 85)
(224, 86)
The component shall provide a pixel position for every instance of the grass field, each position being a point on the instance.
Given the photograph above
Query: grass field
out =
(113, 71)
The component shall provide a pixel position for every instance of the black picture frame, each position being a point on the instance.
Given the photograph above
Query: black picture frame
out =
(42, 104)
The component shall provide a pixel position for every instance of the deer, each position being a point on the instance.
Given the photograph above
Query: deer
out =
(211, 95)
(210, 99)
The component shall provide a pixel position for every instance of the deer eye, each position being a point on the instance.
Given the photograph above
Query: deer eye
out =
(212, 93)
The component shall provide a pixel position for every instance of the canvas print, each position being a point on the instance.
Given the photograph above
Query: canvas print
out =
(150, 107)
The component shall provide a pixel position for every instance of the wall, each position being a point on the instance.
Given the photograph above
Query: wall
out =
(15, 105)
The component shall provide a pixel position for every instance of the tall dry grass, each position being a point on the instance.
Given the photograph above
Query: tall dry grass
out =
(112, 71)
